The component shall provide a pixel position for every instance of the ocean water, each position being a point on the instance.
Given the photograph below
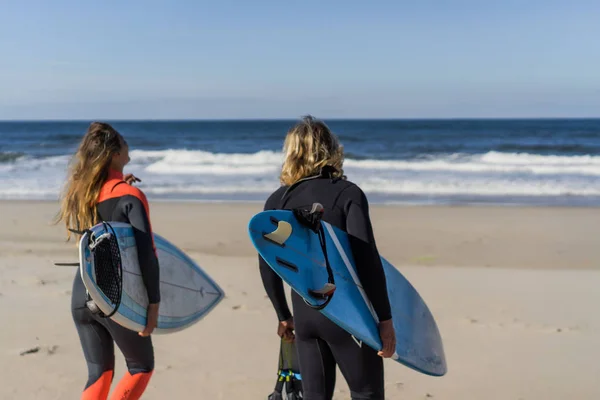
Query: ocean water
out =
(534, 162)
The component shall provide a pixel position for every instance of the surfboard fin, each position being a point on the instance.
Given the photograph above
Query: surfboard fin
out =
(311, 219)
(281, 234)
(324, 292)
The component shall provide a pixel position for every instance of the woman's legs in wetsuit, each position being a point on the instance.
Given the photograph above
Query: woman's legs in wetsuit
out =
(97, 336)
(139, 356)
(98, 350)
(321, 345)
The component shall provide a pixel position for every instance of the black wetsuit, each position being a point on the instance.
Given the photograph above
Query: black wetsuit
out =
(321, 344)
(120, 202)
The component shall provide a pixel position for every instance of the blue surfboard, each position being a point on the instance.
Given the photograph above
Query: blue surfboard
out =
(187, 292)
(294, 252)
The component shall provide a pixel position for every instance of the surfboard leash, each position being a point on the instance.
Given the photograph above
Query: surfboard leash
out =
(312, 220)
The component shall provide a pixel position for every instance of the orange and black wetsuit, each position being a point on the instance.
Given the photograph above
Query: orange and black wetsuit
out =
(118, 201)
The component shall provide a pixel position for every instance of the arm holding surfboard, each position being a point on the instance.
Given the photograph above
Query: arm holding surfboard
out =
(273, 285)
(135, 206)
(368, 264)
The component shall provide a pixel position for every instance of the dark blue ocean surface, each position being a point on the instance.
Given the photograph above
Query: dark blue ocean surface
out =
(422, 161)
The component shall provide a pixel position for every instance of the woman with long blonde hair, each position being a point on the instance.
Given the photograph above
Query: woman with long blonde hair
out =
(313, 172)
(96, 191)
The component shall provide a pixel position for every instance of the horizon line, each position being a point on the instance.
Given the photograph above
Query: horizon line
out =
(287, 119)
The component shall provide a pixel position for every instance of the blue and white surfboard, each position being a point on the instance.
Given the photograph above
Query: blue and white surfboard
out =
(187, 292)
(300, 262)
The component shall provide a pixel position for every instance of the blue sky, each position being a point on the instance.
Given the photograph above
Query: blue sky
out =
(278, 59)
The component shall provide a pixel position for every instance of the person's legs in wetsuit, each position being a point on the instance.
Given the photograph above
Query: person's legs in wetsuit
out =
(139, 356)
(97, 336)
(321, 345)
(98, 350)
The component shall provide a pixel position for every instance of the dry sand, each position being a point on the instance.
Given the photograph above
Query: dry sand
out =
(515, 292)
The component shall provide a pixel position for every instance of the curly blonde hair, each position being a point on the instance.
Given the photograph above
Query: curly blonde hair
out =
(308, 147)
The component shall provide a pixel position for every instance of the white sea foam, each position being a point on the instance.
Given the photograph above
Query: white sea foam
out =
(189, 172)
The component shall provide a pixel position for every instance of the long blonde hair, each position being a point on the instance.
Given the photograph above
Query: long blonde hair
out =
(308, 147)
(87, 173)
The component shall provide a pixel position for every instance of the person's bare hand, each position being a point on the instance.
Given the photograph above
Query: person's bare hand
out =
(151, 320)
(388, 338)
(131, 179)
(285, 330)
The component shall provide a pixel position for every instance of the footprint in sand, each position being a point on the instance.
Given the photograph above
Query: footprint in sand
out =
(553, 329)
(32, 350)
(50, 350)
(396, 385)
(517, 323)
(38, 281)
(164, 368)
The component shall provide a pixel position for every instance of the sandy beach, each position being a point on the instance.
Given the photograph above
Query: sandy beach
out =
(514, 291)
